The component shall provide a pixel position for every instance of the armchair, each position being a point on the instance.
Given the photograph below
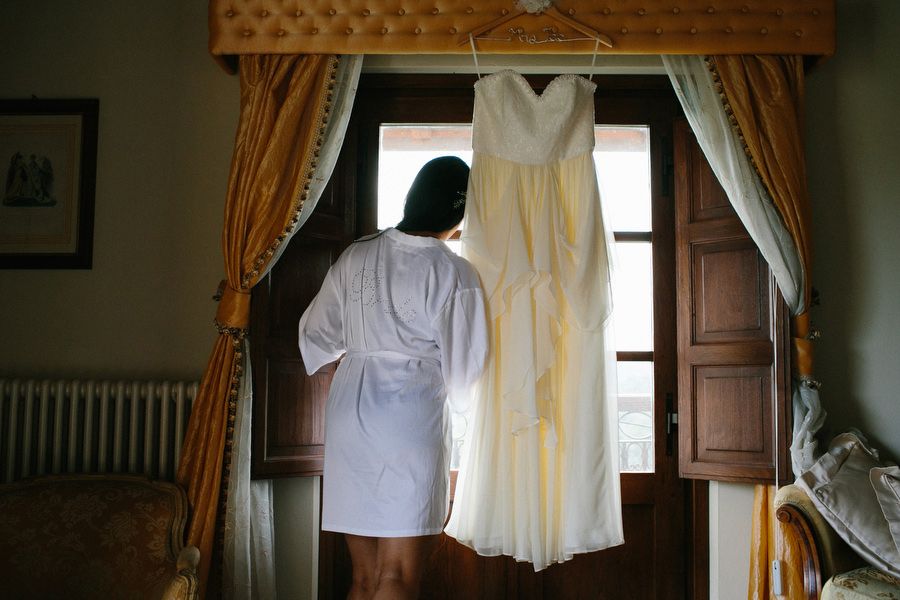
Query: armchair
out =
(844, 516)
(100, 535)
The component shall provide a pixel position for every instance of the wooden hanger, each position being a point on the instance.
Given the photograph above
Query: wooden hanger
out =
(551, 12)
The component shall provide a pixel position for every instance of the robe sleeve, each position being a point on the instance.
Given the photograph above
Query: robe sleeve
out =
(321, 338)
(461, 334)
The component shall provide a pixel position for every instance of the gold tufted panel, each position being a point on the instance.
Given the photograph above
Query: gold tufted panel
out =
(804, 27)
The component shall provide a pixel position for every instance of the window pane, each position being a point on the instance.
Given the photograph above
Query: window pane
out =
(635, 380)
(403, 150)
(633, 296)
(622, 156)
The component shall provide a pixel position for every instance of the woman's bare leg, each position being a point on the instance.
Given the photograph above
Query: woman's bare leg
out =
(401, 562)
(364, 555)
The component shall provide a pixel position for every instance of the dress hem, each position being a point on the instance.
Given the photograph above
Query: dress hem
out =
(490, 550)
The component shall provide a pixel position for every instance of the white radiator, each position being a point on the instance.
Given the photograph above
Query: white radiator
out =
(85, 426)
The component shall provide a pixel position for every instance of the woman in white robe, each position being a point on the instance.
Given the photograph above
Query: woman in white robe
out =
(408, 317)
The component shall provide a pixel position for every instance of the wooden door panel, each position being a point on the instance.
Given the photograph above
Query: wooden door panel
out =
(289, 405)
(732, 335)
(709, 202)
(733, 394)
(301, 430)
(730, 292)
(296, 279)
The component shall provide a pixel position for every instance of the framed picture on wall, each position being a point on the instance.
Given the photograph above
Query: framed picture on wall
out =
(48, 155)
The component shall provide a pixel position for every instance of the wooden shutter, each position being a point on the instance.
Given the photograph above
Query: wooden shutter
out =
(288, 405)
(733, 361)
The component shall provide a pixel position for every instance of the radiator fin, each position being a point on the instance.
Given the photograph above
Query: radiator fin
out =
(91, 426)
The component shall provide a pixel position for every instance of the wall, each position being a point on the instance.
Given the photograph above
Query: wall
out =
(853, 146)
(167, 121)
(168, 115)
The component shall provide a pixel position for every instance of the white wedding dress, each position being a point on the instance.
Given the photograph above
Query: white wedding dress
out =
(540, 480)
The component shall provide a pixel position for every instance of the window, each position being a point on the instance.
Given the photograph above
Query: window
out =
(622, 156)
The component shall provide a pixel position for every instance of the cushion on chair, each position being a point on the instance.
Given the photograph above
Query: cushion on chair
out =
(839, 485)
(862, 584)
(835, 556)
(886, 482)
(90, 536)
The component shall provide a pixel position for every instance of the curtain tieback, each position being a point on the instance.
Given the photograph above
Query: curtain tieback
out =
(802, 355)
(234, 309)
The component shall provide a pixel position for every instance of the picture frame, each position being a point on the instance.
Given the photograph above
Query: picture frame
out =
(48, 155)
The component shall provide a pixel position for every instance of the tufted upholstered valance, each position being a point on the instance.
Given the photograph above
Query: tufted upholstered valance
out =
(799, 27)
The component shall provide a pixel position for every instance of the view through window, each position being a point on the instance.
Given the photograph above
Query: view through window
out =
(622, 158)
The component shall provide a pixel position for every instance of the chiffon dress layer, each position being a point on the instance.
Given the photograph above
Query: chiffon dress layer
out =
(540, 479)
(410, 316)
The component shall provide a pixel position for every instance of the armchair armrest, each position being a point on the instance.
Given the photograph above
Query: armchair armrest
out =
(822, 551)
(185, 585)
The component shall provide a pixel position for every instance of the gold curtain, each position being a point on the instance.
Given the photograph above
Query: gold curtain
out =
(285, 102)
(765, 95)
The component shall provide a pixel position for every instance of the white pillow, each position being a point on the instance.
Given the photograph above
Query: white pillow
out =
(886, 482)
(839, 485)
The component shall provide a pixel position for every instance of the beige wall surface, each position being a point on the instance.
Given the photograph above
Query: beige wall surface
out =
(167, 120)
(853, 157)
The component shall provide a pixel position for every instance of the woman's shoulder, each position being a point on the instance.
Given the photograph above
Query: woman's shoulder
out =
(465, 273)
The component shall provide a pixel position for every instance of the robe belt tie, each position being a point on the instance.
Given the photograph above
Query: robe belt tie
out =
(234, 309)
(393, 354)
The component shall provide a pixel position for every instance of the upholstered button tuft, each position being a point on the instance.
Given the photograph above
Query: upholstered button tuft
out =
(693, 30)
(624, 30)
(401, 12)
(299, 13)
(332, 12)
(417, 30)
(314, 31)
(779, 12)
(366, 12)
(676, 10)
(264, 14)
(280, 32)
(606, 11)
(453, 30)
(710, 9)
(469, 10)
(384, 30)
(659, 30)
(230, 13)
(504, 11)
(348, 31)
(745, 9)
(816, 12)
(729, 29)
(246, 32)
(571, 11)
(435, 11)
(764, 31)
(798, 33)
(642, 11)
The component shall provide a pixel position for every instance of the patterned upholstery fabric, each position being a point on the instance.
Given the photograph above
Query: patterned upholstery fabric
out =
(92, 536)
(862, 584)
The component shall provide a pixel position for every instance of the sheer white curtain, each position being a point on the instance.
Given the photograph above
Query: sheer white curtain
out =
(696, 90)
(249, 561)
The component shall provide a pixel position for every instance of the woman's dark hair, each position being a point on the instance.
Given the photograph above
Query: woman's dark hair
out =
(436, 200)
